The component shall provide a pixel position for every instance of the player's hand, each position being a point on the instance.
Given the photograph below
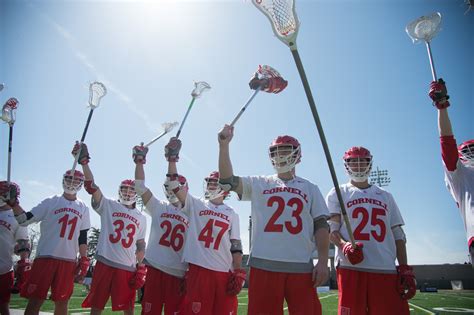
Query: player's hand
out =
(236, 281)
(406, 282)
(439, 94)
(138, 279)
(354, 255)
(9, 193)
(81, 269)
(256, 83)
(84, 157)
(172, 150)
(320, 274)
(22, 271)
(226, 134)
(139, 154)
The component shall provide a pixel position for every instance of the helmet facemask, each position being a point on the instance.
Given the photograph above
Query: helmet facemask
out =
(127, 193)
(358, 168)
(73, 184)
(284, 157)
(466, 153)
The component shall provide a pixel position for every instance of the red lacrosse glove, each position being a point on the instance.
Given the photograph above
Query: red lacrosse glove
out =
(406, 282)
(81, 269)
(84, 157)
(439, 94)
(22, 273)
(236, 281)
(138, 279)
(139, 154)
(172, 150)
(354, 255)
(9, 193)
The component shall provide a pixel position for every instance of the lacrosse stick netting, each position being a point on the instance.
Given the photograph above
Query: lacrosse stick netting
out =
(282, 16)
(167, 127)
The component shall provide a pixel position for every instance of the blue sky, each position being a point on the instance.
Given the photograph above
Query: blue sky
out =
(369, 81)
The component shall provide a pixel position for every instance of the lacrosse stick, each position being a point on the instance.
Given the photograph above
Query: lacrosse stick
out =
(9, 116)
(97, 90)
(424, 29)
(285, 25)
(167, 127)
(199, 87)
(263, 72)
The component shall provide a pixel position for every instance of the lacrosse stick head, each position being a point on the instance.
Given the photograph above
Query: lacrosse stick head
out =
(282, 16)
(199, 87)
(9, 110)
(97, 90)
(424, 28)
(168, 126)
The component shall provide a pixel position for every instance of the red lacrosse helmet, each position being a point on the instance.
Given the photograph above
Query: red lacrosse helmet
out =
(72, 183)
(212, 188)
(183, 184)
(466, 152)
(127, 194)
(358, 163)
(285, 153)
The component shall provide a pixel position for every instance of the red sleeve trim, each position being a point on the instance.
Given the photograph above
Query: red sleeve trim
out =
(449, 152)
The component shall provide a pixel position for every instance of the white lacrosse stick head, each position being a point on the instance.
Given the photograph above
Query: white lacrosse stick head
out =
(282, 16)
(9, 111)
(167, 127)
(424, 28)
(97, 90)
(199, 87)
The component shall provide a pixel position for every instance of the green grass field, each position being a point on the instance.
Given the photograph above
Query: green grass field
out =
(443, 302)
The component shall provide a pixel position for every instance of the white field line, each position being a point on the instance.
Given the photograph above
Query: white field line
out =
(422, 309)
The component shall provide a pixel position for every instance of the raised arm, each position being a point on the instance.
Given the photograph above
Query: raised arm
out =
(139, 157)
(89, 183)
(227, 179)
(172, 149)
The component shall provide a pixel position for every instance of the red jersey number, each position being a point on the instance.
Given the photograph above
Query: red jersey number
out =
(293, 226)
(64, 221)
(172, 237)
(117, 236)
(206, 233)
(380, 230)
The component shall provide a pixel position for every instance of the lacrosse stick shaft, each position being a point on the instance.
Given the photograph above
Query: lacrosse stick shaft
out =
(433, 70)
(10, 144)
(312, 105)
(242, 110)
(185, 117)
(156, 138)
(82, 140)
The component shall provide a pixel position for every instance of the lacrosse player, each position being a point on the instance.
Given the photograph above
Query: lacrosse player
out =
(64, 222)
(289, 214)
(213, 248)
(165, 283)
(458, 162)
(368, 280)
(13, 239)
(119, 270)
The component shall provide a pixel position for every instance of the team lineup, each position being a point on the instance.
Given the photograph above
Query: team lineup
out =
(192, 260)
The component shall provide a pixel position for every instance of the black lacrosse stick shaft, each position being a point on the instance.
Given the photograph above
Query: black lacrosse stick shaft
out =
(324, 143)
(10, 145)
(87, 125)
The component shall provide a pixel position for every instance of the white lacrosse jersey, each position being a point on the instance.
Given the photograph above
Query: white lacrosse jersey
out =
(211, 227)
(120, 229)
(372, 213)
(61, 223)
(460, 184)
(10, 232)
(283, 214)
(166, 243)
